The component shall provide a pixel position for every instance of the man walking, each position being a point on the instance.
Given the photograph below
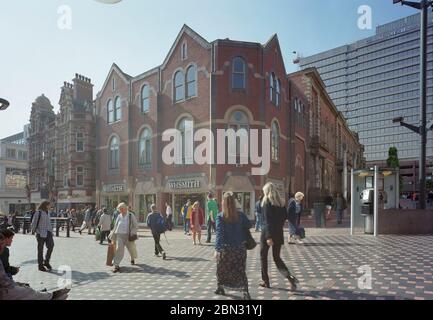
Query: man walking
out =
(41, 225)
(104, 225)
(87, 223)
(340, 206)
(186, 214)
(169, 213)
(124, 234)
(258, 214)
(211, 214)
(155, 222)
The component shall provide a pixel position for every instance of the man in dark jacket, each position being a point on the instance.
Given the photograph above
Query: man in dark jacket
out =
(8, 235)
(154, 222)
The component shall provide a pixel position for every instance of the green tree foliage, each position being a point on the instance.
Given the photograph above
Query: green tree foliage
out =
(393, 162)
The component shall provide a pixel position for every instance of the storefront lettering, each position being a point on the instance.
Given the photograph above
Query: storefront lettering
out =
(185, 184)
(114, 188)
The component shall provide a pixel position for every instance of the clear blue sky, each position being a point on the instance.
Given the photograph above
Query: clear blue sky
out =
(36, 56)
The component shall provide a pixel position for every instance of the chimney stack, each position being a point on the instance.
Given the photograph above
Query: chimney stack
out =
(83, 88)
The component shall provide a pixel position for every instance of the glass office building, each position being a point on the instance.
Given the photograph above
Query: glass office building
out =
(377, 79)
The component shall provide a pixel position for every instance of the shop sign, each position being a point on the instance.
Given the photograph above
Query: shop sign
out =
(185, 184)
(113, 188)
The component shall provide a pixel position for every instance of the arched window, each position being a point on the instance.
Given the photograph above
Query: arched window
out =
(110, 111)
(238, 81)
(191, 82)
(145, 99)
(145, 148)
(271, 87)
(117, 109)
(278, 93)
(275, 141)
(114, 153)
(237, 121)
(179, 90)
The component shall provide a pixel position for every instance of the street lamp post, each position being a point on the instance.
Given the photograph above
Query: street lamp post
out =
(423, 5)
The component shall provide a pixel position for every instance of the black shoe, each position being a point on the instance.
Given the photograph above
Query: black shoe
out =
(116, 269)
(80, 232)
(48, 266)
(220, 291)
(164, 256)
(42, 268)
(60, 294)
(132, 262)
(293, 281)
(208, 241)
(156, 255)
(265, 284)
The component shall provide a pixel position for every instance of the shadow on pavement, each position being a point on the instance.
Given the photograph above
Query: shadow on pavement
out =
(159, 270)
(322, 244)
(338, 294)
(187, 259)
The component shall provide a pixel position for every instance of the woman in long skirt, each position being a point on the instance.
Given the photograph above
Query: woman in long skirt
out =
(230, 250)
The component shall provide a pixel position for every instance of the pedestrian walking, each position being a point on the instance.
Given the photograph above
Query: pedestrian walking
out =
(123, 235)
(169, 214)
(258, 214)
(294, 210)
(340, 206)
(197, 220)
(329, 202)
(41, 226)
(274, 216)
(186, 214)
(155, 221)
(211, 215)
(230, 250)
(88, 220)
(104, 225)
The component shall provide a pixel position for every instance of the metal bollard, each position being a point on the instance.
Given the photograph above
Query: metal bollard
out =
(57, 227)
(68, 225)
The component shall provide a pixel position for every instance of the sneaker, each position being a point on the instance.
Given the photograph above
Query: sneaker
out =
(61, 294)
(164, 256)
(156, 255)
(42, 268)
(299, 241)
(291, 241)
(116, 269)
(247, 296)
(48, 266)
(220, 291)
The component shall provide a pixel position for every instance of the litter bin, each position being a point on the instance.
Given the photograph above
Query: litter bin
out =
(368, 213)
(319, 209)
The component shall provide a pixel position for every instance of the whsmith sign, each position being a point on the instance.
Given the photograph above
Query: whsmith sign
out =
(184, 184)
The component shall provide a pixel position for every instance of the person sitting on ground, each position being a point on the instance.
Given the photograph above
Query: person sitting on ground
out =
(10, 290)
(8, 235)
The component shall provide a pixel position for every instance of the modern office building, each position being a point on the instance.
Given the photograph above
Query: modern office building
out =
(375, 80)
(13, 174)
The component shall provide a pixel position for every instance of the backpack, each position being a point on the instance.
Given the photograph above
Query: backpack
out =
(161, 226)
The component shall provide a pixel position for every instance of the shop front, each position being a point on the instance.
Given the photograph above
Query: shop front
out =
(145, 195)
(113, 194)
(178, 189)
(78, 200)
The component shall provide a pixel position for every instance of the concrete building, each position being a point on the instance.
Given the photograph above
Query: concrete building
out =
(13, 174)
(375, 80)
(62, 147)
(218, 85)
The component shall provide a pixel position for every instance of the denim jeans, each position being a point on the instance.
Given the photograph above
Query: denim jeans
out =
(259, 221)
(186, 225)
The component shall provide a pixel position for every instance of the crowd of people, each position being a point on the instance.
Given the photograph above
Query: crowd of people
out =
(226, 220)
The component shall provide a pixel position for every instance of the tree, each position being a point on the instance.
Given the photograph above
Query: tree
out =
(393, 162)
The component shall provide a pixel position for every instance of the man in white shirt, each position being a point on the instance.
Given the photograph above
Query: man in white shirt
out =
(125, 227)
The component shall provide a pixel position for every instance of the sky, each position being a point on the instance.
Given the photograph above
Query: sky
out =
(37, 56)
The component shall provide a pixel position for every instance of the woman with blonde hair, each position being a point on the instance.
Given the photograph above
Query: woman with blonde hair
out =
(294, 216)
(230, 250)
(197, 220)
(274, 217)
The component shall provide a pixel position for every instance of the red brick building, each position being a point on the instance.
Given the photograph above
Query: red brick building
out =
(218, 85)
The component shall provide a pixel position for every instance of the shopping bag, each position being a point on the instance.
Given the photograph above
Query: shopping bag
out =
(110, 254)
(98, 234)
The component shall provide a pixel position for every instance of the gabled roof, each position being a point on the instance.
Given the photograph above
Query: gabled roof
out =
(268, 44)
(186, 29)
(115, 68)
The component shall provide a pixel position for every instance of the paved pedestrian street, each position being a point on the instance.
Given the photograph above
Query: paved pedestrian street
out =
(326, 266)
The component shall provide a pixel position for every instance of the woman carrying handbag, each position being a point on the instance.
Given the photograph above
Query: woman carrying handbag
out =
(274, 217)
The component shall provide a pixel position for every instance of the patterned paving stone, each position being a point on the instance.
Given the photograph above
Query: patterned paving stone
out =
(326, 265)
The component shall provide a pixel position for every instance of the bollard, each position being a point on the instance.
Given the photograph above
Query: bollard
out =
(68, 225)
(57, 227)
